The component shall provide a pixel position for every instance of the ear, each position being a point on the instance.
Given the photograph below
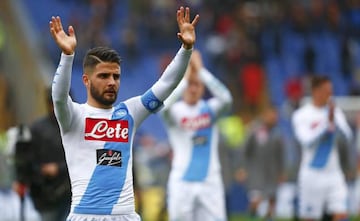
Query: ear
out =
(86, 80)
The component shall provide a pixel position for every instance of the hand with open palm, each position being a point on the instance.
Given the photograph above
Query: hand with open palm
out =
(186, 28)
(66, 42)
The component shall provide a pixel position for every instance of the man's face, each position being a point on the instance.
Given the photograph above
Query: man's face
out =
(194, 91)
(323, 93)
(270, 117)
(103, 84)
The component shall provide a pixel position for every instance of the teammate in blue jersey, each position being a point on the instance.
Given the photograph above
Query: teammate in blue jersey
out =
(98, 135)
(195, 186)
(318, 126)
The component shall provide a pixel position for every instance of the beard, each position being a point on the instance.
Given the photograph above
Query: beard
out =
(100, 98)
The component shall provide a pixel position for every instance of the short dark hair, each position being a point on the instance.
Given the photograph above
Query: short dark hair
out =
(319, 80)
(100, 54)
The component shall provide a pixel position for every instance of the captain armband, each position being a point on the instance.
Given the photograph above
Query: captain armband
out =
(151, 102)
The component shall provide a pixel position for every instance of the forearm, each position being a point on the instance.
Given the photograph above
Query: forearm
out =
(216, 87)
(176, 94)
(62, 79)
(172, 99)
(172, 75)
(60, 91)
(342, 125)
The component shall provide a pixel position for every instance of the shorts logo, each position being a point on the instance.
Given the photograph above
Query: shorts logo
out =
(108, 157)
(106, 130)
(196, 123)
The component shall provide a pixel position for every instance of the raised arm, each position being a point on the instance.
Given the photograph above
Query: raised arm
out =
(222, 99)
(176, 69)
(62, 79)
(342, 124)
(153, 99)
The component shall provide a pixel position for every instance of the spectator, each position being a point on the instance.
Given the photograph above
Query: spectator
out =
(45, 173)
(252, 80)
(263, 162)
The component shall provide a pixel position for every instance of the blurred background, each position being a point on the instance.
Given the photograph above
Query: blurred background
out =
(264, 51)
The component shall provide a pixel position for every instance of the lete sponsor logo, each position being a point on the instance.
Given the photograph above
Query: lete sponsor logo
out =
(106, 130)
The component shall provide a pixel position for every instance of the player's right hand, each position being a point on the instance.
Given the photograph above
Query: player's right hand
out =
(66, 42)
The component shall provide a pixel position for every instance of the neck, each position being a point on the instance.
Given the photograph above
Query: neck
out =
(318, 103)
(98, 105)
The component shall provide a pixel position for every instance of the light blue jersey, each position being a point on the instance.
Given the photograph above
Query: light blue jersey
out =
(98, 142)
(321, 181)
(195, 186)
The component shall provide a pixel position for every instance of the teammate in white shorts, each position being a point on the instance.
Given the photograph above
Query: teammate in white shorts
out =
(195, 186)
(318, 126)
(98, 136)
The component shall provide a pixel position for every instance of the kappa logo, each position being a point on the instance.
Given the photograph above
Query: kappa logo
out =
(106, 130)
(153, 104)
(121, 113)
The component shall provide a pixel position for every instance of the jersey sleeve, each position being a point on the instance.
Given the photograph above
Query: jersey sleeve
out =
(153, 99)
(172, 99)
(222, 99)
(63, 104)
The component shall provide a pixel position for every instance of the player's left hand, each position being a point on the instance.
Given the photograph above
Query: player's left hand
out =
(66, 42)
(186, 29)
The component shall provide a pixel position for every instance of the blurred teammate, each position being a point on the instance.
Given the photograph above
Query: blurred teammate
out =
(319, 126)
(263, 160)
(195, 188)
(98, 136)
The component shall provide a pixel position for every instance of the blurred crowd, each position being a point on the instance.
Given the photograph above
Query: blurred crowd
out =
(264, 51)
